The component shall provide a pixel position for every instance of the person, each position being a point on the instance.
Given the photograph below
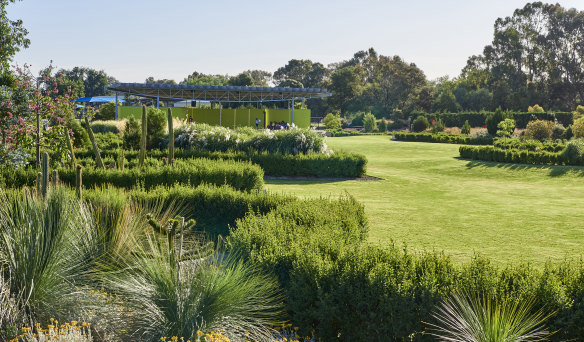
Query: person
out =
(258, 123)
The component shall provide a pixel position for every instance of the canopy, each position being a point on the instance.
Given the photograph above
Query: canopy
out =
(174, 92)
(98, 99)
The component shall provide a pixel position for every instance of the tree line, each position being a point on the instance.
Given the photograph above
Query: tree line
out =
(536, 57)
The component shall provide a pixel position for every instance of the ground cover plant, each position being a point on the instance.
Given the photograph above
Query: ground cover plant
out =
(430, 199)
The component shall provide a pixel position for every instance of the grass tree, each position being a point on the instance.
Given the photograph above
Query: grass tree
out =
(471, 318)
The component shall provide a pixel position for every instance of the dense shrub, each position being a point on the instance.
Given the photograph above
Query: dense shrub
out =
(242, 176)
(559, 132)
(478, 119)
(332, 121)
(108, 141)
(420, 124)
(495, 154)
(438, 126)
(157, 122)
(80, 135)
(105, 127)
(442, 138)
(465, 128)
(573, 154)
(530, 145)
(106, 112)
(215, 138)
(132, 134)
(535, 109)
(358, 119)
(539, 130)
(382, 127)
(492, 121)
(339, 164)
(369, 123)
(578, 128)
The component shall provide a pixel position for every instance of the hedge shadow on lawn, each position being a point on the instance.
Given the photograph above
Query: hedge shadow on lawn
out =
(553, 170)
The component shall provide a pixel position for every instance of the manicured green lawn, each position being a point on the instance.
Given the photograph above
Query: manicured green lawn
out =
(431, 200)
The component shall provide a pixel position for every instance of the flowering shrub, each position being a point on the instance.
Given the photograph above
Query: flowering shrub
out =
(216, 138)
(68, 332)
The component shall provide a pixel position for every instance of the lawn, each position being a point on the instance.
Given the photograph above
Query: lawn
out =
(431, 200)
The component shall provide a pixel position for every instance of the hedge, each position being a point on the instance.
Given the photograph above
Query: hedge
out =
(495, 154)
(442, 138)
(478, 119)
(241, 176)
(341, 288)
(338, 164)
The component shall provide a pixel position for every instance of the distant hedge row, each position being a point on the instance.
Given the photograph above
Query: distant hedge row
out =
(478, 119)
(442, 138)
(240, 175)
(338, 164)
(495, 154)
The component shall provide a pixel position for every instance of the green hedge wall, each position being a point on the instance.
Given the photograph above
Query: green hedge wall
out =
(494, 154)
(240, 175)
(338, 164)
(343, 289)
(478, 119)
(442, 138)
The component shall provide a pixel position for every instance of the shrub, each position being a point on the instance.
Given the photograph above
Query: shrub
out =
(155, 128)
(369, 123)
(539, 130)
(358, 119)
(332, 121)
(535, 109)
(465, 128)
(558, 132)
(579, 112)
(443, 138)
(108, 141)
(420, 124)
(104, 127)
(382, 127)
(438, 126)
(574, 152)
(492, 121)
(578, 128)
(106, 112)
(132, 134)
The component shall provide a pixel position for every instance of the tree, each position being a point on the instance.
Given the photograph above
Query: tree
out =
(540, 130)
(242, 80)
(420, 124)
(260, 78)
(345, 86)
(197, 78)
(332, 121)
(369, 123)
(465, 128)
(12, 36)
(505, 129)
(382, 127)
(151, 80)
(493, 120)
(535, 109)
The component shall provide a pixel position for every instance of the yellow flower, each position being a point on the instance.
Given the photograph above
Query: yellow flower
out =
(200, 333)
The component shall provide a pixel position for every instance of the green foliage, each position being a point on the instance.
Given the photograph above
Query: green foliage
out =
(558, 132)
(438, 126)
(495, 154)
(505, 128)
(98, 160)
(382, 127)
(80, 135)
(475, 318)
(535, 109)
(13, 36)
(132, 134)
(156, 127)
(579, 112)
(143, 137)
(332, 121)
(578, 128)
(105, 126)
(357, 120)
(443, 138)
(539, 130)
(465, 128)
(573, 154)
(420, 124)
(108, 141)
(170, 138)
(492, 121)
(369, 123)
(106, 112)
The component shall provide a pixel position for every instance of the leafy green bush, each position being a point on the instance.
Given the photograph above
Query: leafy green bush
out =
(382, 127)
(156, 127)
(420, 124)
(465, 128)
(332, 121)
(108, 141)
(558, 132)
(369, 123)
(494, 154)
(240, 175)
(358, 119)
(438, 126)
(492, 121)
(530, 145)
(132, 134)
(578, 128)
(539, 130)
(574, 152)
(535, 109)
(478, 119)
(80, 135)
(444, 138)
(106, 112)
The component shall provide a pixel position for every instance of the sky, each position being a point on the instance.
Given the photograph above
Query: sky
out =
(134, 39)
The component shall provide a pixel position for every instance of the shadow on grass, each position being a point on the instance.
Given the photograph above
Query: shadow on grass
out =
(303, 181)
(553, 170)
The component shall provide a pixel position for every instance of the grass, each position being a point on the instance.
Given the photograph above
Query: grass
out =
(432, 200)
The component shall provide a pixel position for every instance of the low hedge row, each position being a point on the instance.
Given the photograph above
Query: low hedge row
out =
(495, 154)
(338, 164)
(342, 288)
(478, 119)
(240, 175)
(530, 145)
(444, 138)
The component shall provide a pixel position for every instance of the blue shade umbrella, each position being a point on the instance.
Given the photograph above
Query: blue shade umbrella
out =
(98, 99)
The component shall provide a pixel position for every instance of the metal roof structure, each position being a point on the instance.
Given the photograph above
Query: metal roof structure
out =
(173, 92)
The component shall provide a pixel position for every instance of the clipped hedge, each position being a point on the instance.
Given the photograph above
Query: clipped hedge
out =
(530, 145)
(479, 119)
(241, 176)
(495, 154)
(342, 288)
(444, 138)
(338, 164)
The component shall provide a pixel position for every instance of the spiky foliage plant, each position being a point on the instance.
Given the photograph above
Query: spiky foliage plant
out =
(143, 137)
(170, 296)
(170, 138)
(481, 318)
(98, 160)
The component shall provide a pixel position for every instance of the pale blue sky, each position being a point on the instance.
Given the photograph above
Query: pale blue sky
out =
(132, 39)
